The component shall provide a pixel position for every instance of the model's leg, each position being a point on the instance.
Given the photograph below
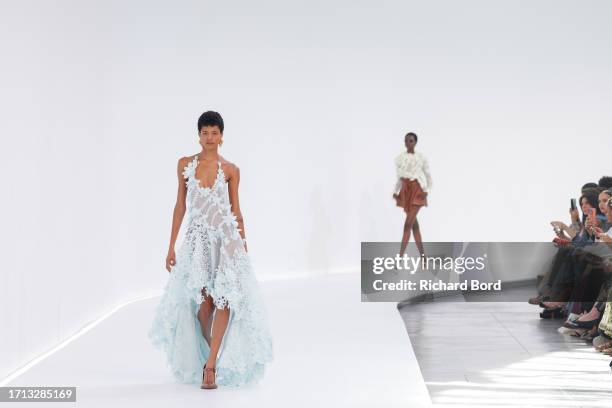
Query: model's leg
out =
(405, 236)
(218, 330)
(410, 218)
(205, 316)
(417, 234)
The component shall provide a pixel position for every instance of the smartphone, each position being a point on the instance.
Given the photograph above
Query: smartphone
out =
(573, 204)
(592, 214)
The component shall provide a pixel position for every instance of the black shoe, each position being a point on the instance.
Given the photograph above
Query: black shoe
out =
(556, 313)
(587, 324)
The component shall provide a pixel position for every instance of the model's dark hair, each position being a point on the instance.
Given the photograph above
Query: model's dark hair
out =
(416, 138)
(589, 185)
(605, 182)
(210, 118)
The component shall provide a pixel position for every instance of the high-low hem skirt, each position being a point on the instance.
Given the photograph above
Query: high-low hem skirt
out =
(246, 346)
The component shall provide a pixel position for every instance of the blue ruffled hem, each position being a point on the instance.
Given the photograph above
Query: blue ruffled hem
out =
(177, 332)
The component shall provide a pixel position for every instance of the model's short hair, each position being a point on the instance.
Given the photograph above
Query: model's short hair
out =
(210, 118)
(605, 182)
(416, 138)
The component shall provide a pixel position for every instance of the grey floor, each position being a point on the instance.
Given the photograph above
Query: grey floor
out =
(477, 354)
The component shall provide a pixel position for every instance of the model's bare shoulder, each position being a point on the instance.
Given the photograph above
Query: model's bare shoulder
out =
(229, 168)
(183, 162)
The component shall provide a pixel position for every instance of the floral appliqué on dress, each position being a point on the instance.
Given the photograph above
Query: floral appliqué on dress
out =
(212, 261)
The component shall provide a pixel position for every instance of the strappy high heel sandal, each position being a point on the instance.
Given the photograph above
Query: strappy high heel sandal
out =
(205, 385)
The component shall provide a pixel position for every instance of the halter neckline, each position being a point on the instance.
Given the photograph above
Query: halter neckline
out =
(197, 159)
(195, 168)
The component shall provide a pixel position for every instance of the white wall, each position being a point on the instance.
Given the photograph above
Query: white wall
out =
(510, 101)
(55, 155)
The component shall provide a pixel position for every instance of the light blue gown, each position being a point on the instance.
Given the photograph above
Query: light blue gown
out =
(212, 256)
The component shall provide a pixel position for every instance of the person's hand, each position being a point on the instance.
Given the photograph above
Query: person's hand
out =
(574, 215)
(170, 260)
(599, 233)
(395, 196)
(590, 226)
(558, 228)
(557, 224)
(560, 242)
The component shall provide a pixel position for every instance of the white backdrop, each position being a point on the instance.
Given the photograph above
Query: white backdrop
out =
(510, 100)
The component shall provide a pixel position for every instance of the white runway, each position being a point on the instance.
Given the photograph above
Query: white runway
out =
(330, 349)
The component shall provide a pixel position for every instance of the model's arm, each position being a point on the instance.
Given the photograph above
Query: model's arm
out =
(234, 180)
(178, 214)
(427, 175)
(398, 184)
(398, 187)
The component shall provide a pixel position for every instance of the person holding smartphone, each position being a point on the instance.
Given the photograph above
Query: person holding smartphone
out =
(596, 217)
(591, 215)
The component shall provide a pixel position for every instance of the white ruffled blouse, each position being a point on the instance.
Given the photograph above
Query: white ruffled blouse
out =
(413, 166)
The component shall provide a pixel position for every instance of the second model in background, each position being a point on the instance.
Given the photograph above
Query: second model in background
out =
(413, 185)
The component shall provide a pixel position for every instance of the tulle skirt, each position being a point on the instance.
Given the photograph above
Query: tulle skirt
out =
(246, 346)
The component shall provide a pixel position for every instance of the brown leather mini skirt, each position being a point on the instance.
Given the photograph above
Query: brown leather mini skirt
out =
(410, 194)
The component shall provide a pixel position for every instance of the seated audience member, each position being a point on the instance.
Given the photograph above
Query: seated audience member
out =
(557, 284)
(591, 319)
(578, 285)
